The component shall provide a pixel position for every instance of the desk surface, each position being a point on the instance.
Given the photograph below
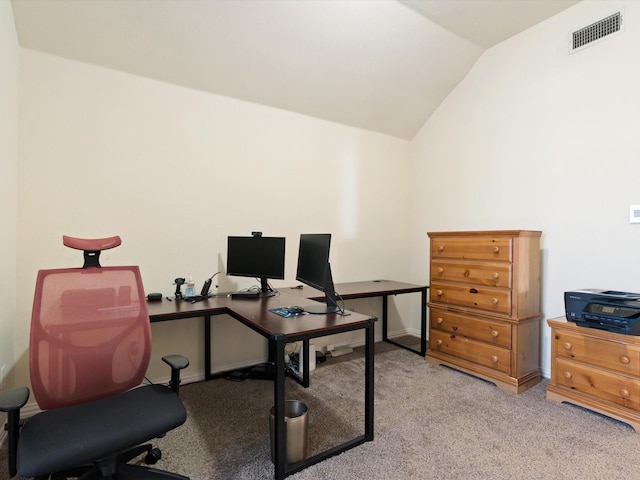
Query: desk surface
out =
(254, 312)
(352, 290)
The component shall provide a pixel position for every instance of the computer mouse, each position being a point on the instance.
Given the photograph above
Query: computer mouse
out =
(295, 310)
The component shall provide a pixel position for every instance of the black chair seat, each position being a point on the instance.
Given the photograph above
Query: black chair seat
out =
(58, 439)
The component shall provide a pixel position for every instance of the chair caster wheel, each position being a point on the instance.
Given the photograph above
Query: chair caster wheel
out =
(153, 456)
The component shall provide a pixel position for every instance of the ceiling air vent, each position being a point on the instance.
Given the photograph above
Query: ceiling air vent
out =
(587, 36)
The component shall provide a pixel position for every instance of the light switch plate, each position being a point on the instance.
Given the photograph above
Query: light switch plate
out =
(634, 214)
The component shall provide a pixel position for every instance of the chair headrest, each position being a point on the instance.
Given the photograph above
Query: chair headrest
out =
(92, 247)
(91, 244)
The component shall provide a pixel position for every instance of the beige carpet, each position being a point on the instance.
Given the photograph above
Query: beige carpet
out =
(430, 423)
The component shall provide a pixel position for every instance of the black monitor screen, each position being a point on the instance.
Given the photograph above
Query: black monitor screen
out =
(260, 257)
(313, 257)
(314, 269)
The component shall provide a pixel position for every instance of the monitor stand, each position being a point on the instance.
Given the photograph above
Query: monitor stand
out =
(331, 305)
(265, 291)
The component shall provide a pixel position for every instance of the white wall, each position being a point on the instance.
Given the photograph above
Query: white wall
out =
(535, 138)
(8, 185)
(532, 138)
(174, 171)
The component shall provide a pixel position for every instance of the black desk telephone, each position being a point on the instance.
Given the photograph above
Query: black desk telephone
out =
(204, 293)
(206, 287)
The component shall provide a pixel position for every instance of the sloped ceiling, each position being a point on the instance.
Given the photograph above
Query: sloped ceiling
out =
(381, 65)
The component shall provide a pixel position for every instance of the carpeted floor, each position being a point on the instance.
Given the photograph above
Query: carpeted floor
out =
(430, 422)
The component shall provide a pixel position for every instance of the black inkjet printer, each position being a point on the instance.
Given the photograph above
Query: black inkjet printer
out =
(617, 312)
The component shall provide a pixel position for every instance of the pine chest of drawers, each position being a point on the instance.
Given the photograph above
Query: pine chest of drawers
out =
(595, 369)
(484, 305)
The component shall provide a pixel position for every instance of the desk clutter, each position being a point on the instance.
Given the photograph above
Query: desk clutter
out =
(190, 288)
(266, 370)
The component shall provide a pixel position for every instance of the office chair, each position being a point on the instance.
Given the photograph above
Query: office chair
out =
(89, 348)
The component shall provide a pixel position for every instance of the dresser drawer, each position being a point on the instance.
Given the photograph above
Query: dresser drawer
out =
(472, 248)
(482, 298)
(472, 350)
(601, 353)
(602, 384)
(493, 332)
(478, 273)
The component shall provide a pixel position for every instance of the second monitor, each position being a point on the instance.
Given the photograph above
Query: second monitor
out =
(314, 270)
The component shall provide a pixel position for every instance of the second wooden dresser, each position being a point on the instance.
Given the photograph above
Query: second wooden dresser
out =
(484, 305)
(595, 369)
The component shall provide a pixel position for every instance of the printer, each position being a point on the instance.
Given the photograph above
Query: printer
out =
(609, 310)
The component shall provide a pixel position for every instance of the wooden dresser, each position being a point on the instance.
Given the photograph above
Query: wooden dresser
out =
(484, 305)
(595, 369)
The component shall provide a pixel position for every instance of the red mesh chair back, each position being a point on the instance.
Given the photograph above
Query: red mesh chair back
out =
(90, 334)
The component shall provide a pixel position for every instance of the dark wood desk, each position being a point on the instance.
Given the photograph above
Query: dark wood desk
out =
(254, 313)
(376, 288)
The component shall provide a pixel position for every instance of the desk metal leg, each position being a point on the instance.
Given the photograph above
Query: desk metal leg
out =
(368, 383)
(305, 363)
(385, 305)
(282, 469)
(423, 324)
(278, 343)
(302, 375)
(207, 347)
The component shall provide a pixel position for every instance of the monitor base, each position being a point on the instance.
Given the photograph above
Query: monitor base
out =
(320, 309)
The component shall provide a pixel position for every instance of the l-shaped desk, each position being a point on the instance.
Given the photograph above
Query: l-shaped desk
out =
(279, 331)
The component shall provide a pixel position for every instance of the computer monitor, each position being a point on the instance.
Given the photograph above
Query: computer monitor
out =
(256, 256)
(314, 270)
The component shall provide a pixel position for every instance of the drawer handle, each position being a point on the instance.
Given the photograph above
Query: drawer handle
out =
(496, 250)
(439, 320)
(440, 248)
(439, 293)
(495, 301)
(438, 342)
(473, 290)
(568, 375)
(440, 271)
(495, 333)
(567, 346)
(496, 275)
(624, 393)
(494, 359)
(624, 359)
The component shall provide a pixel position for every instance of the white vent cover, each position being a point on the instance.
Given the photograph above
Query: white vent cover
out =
(598, 31)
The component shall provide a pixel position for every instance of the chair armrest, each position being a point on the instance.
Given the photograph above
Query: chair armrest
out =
(177, 363)
(11, 401)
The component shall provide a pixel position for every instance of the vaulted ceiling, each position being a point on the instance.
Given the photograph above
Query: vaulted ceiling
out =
(381, 65)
